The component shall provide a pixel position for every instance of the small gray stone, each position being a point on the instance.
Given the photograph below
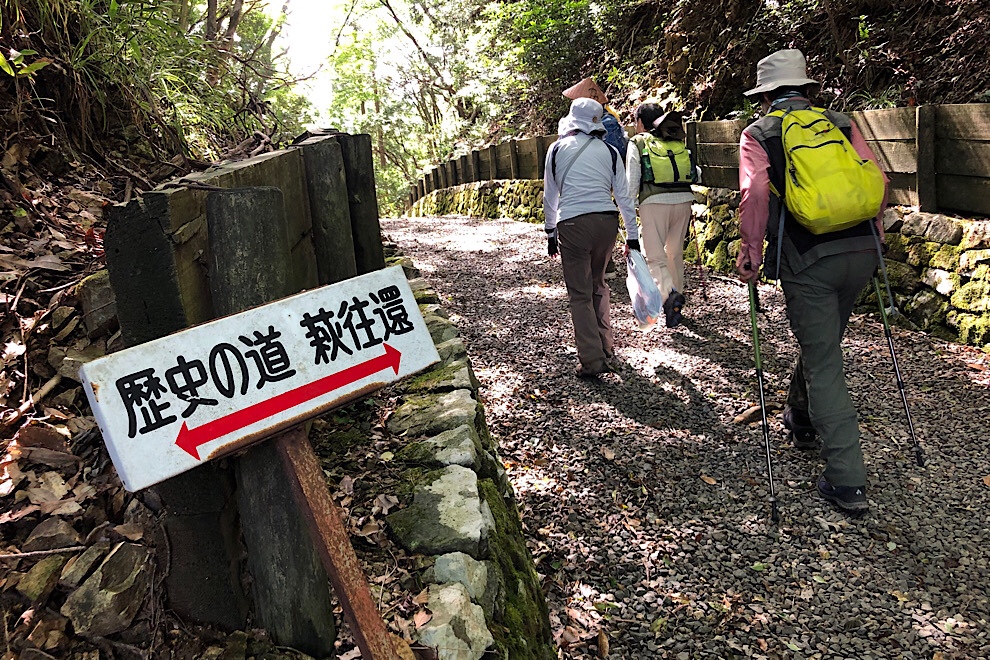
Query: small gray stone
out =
(99, 306)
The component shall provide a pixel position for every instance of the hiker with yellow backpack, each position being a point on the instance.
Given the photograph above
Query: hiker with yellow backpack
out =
(661, 168)
(811, 187)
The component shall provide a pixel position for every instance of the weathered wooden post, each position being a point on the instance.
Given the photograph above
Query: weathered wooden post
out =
(492, 162)
(475, 165)
(250, 266)
(326, 186)
(926, 144)
(362, 199)
(513, 159)
(198, 506)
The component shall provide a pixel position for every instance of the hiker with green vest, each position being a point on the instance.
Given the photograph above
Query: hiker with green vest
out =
(811, 187)
(661, 168)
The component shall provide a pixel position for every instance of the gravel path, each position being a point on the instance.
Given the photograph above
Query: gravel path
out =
(645, 503)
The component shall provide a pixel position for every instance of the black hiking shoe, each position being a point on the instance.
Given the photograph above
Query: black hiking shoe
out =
(672, 307)
(801, 433)
(850, 499)
(803, 440)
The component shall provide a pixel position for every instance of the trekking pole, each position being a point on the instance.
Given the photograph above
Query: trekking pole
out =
(774, 514)
(701, 269)
(918, 452)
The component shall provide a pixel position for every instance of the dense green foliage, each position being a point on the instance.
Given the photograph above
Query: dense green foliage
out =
(431, 79)
(183, 80)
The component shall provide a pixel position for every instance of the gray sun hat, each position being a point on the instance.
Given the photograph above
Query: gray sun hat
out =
(585, 115)
(785, 68)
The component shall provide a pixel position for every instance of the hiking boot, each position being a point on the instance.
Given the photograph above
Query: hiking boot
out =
(851, 499)
(805, 440)
(801, 433)
(610, 270)
(585, 372)
(672, 307)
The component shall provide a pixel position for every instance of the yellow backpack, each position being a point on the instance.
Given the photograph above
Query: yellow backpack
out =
(828, 187)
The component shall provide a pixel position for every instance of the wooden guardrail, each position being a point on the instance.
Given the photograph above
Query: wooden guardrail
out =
(937, 156)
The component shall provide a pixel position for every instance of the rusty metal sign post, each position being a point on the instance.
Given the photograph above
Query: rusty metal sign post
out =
(166, 406)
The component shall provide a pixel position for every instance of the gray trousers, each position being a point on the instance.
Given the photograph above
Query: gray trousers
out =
(819, 301)
(586, 242)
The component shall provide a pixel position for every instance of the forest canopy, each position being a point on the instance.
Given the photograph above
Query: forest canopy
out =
(180, 83)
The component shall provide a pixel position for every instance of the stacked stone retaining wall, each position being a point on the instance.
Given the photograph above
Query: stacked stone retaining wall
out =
(939, 266)
(460, 513)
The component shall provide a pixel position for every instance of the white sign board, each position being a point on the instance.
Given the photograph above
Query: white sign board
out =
(166, 406)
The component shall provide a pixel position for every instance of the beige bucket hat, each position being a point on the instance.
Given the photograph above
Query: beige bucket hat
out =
(586, 89)
(783, 68)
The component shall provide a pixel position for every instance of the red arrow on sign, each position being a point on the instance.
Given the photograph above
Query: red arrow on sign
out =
(191, 439)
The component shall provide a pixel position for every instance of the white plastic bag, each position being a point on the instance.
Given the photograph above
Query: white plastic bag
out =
(647, 302)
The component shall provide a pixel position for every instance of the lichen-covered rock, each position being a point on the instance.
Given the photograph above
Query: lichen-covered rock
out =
(942, 281)
(523, 630)
(39, 581)
(971, 259)
(427, 414)
(927, 309)
(943, 230)
(441, 329)
(973, 329)
(452, 350)
(446, 377)
(919, 251)
(915, 224)
(481, 579)
(457, 630)
(902, 277)
(79, 567)
(108, 600)
(446, 515)
(976, 234)
(460, 446)
(974, 296)
(893, 220)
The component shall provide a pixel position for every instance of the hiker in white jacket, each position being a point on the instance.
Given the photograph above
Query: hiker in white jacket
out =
(583, 174)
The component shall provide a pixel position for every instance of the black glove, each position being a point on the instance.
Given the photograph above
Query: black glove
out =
(633, 244)
(551, 242)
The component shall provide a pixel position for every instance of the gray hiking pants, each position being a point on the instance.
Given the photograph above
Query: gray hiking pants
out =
(585, 245)
(819, 301)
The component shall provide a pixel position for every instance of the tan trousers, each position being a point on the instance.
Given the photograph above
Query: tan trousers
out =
(662, 238)
(586, 242)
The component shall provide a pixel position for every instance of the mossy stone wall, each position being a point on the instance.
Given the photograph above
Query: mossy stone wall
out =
(939, 267)
(520, 199)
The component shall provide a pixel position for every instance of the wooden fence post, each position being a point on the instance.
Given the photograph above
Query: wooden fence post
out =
(326, 183)
(201, 580)
(513, 159)
(362, 200)
(926, 144)
(493, 155)
(250, 265)
(475, 166)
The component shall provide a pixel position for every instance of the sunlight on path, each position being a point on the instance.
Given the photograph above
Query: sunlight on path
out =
(645, 504)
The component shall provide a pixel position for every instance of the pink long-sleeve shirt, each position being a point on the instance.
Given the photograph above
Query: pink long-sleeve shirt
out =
(754, 183)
